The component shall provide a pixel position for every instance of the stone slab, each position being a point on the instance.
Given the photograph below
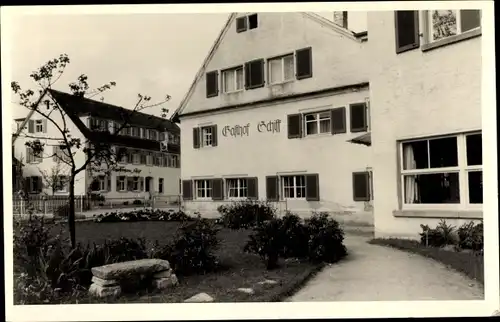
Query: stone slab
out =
(270, 282)
(128, 269)
(200, 298)
(104, 291)
(246, 290)
(165, 283)
(101, 282)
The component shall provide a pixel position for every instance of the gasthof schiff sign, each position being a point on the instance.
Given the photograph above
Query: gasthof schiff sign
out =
(244, 130)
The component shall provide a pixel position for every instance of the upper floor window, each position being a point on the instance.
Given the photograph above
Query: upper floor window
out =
(447, 23)
(317, 123)
(60, 153)
(37, 126)
(205, 136)
(247, 22)
(359, 117)
(232, 79)
(32, 157)
(281, 69)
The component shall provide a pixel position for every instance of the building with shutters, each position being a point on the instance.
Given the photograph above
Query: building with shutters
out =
(272, 114)
(152, 146)
(425, 118)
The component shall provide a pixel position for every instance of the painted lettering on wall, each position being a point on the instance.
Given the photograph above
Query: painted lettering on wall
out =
(236, 130)
(269, 126)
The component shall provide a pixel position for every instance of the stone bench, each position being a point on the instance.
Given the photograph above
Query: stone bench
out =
(106, 280)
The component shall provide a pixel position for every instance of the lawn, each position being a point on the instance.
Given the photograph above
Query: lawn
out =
(241, 270)
(469, 263)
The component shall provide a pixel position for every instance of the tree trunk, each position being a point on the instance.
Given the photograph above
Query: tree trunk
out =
(71, 214)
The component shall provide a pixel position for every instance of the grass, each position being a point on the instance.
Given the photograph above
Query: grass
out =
(241, 270)
(468, 263)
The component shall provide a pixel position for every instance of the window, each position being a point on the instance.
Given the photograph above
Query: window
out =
(60, 153)
(433, 171)
(303, 58)
(99, 184)
(254, 74)
(253, 21)
(136, 157)
(359, 119)
(135, 131)
(135, 184)
(158, 160)
(153, 135)
(160, 185)
(38, 126)
(206, 136)
(407, 30)
(175, 160)
(448, 23)
(232, 79)
(203, 189)
(317, 123)
(246, 23)
(294, 187)
(35, 184)
(121, 183)
(149, 158)
(237, 188)
(162, 136)
(281, 69)
(61, 184)
(361, 186)
(241, 24)
(32, 157)
(212, 79)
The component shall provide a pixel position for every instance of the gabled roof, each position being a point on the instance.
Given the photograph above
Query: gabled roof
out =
(360, 37)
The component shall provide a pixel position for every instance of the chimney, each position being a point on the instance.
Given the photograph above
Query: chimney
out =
(340, 18)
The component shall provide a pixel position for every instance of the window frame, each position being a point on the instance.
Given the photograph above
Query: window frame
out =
(121, 180)
(461, 169)
(136, 181)
(281, 58)
(429, 26)
(294, 186)
(234, 71)
(318, 123)
(63, 182)
(207, 188)
(204, 135)
(38, 123)
(238, 188)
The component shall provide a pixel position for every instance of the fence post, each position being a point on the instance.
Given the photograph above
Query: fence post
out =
(45, 207)
(21, 207)
(81, 203)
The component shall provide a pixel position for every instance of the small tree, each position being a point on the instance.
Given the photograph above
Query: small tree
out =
(53, 179)
(100, 156)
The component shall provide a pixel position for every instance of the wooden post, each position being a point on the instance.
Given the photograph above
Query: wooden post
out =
(21, 207)
(45, 207)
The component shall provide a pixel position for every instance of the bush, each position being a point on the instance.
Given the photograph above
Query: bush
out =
(137, 202)
(470, 236)
(245, 214)
(326, 239)
(97, 197)
(295, 236)
(192, 249)
(266, 241)
(125, 203)
(440, 236)
(142, 215)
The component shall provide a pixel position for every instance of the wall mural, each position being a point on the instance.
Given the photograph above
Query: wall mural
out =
(244, 130)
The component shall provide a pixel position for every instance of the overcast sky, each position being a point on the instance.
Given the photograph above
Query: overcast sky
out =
(151, 54)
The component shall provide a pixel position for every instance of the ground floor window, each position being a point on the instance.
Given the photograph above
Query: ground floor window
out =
(160, 185)
(294, 187)
(203, 189)
(121, 183)
(237, 188)
(361, 186)
(34, 184)
(99, 184)
(135, 183)
(442, 170)
(61, 184)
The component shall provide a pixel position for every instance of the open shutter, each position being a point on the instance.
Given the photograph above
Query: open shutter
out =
(253, 188)
(44, 122)
(272, 188)
(294, 126)
(312, 187)
(212, 79)
(358, 117)
(407, 30)
(31, 126)
(187, 189)
(196, 138)
(338, 120)
(108, 184)
(361, 186)
(214, 135)
(39, 182)
(303, 61)
(217, 189)
(141, 184)
(117, 182)
(254, 74)
(241, 24)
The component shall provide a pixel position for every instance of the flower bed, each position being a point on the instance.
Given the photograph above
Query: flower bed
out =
(142, 215)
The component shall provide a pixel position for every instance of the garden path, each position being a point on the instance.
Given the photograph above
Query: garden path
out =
(378, 273)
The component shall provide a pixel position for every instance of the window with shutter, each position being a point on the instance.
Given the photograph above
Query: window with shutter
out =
(196, 138)
(253, 21)
(212, 79)
(294, 126)
(361, 186)
(407, 30)
(241, 24)
(254, 74)
(303, 59)
(272, 188)
(338, 120)
(187, 190)
(358, 117)
(143, 157)
(217, 189)
(312, 187)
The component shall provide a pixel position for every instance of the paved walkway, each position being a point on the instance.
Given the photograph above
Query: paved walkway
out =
(379, 273)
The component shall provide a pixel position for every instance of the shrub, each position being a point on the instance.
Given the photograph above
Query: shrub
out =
(142, 215)
(294, 235)
(326, 239)
(470, 236)
(125, 203)
(137, 202)
(62, 211)
(266, 241)
(440, 236)
(192, 249)
(97, 197)
(245, 214)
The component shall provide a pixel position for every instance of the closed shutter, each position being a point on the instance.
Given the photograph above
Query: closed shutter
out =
(44, 122)
(27, 184)
(29, 155)
(303, 62)
(294, 126)
(31, 126)
(361, 186)
(212, 79)
(358, 117)
(196, 138)
(217, 189)
(407, 30)
(241, 24)
(141, 184)
(39, 182)
(117, 182)
(254, 74)
(272, 188)
(253, 188)
(312, 187)
(187, 189)
(338, 120)
(214, 135)
(108, 184)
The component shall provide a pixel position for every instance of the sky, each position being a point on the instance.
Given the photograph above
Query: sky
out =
(151, 54)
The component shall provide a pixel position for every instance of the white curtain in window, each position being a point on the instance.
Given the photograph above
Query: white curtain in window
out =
(275, 71)
(411, 187)
(231, 185)
(229, 81)
(288, 68)
(239, 78)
